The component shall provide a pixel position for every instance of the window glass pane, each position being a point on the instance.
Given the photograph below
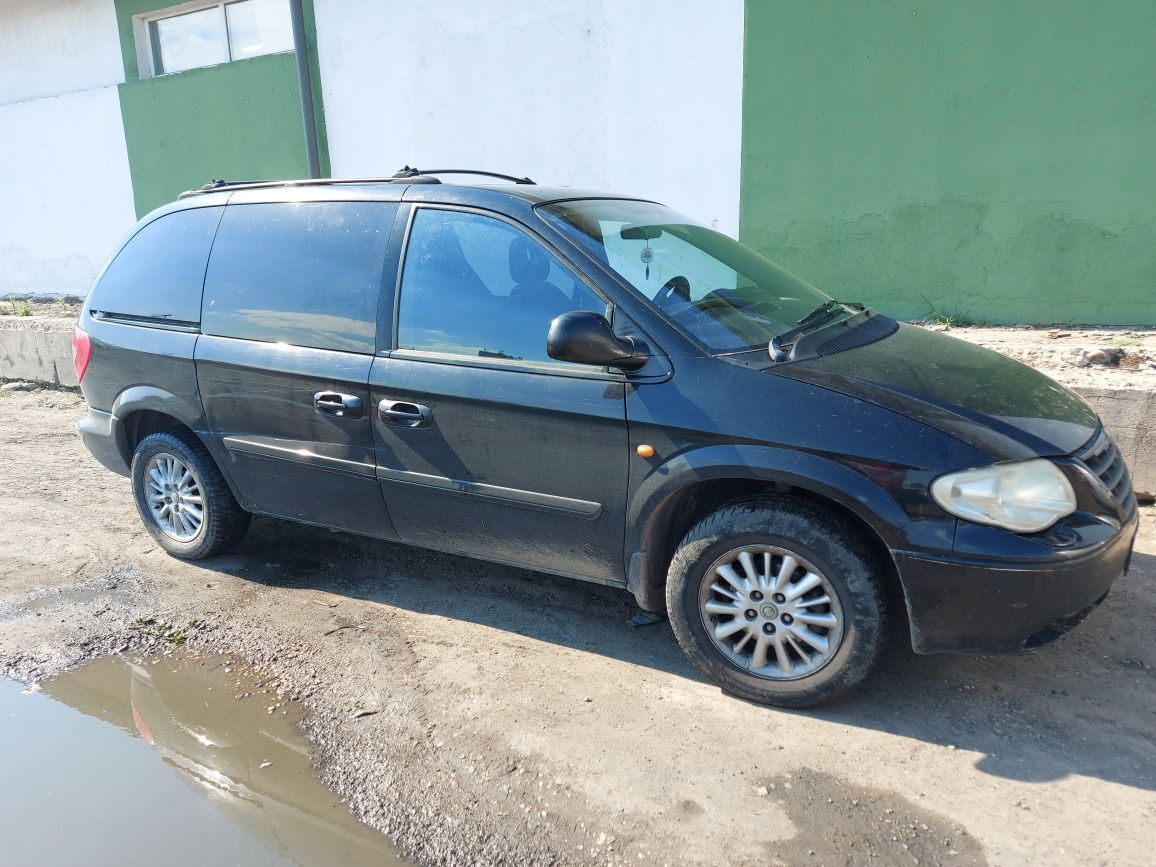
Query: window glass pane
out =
(724, 294)
(649, 262)
(159, 272)
(476, 286)
(187, 41)
(307, 274)
(259, 27)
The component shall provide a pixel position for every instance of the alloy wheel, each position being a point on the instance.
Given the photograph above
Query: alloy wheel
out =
(771, 612)
(174, 497)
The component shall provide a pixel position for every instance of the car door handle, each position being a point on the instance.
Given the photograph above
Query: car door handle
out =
(340, 405)
(404, 414)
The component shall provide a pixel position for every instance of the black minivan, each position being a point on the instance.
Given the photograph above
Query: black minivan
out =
(596, 386)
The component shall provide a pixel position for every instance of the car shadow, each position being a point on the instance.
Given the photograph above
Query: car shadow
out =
(1085, 706)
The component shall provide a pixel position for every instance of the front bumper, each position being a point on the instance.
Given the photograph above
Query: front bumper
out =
(102, 435)
(971, 605)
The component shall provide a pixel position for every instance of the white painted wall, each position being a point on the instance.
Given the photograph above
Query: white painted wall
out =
(641, 97)
(65, 184)
(50, 47)
(66, 190)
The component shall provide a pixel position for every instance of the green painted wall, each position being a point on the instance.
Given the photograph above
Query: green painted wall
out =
(983, 158)
(239, 120)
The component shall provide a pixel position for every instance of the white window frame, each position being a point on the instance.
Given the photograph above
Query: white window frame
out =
(146, 62)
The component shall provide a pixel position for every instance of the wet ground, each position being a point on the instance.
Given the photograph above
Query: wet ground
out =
(479, 714)
(180, 759)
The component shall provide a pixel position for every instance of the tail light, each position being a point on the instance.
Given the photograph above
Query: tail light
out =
(81, 351)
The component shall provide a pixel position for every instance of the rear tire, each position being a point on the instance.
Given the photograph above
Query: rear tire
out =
(778, 602)
(183, 499)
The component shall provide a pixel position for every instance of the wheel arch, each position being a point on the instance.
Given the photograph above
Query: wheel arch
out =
(141, 410)
(688, 488)
(142, 422)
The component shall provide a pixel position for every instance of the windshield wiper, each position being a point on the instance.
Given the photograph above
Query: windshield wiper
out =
(826, 311)
(821, 312)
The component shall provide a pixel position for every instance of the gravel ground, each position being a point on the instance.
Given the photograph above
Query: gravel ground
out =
(486, 715)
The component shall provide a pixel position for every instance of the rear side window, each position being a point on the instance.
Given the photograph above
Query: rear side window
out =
(159, 273)
(304, 273)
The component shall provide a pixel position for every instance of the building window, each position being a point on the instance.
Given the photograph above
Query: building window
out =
(204, 34)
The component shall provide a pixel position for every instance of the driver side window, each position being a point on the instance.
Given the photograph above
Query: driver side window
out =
(477, 286)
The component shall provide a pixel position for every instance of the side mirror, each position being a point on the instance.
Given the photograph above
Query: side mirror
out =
(584, 337)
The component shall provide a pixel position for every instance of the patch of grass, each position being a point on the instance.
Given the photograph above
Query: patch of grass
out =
(62, 306)
(938, 317)
(174, 635)
(948, 319)
(1123, 341)
(25, 309)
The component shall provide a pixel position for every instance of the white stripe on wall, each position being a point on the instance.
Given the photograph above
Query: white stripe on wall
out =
(641, 97)
(66, 190)
(49, 47)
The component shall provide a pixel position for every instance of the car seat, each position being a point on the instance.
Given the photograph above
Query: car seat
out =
(530, 266)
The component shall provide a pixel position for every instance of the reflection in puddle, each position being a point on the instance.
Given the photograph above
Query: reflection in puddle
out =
(159, 763)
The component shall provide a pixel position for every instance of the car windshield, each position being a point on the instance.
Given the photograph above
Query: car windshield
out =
(721, 292)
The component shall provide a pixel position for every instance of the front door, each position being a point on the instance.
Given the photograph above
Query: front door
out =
(486, 446)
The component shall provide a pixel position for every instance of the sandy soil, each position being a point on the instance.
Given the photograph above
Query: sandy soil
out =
(486, 715)
(61, 308)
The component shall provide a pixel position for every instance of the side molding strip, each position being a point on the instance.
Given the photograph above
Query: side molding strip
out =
(509, 496)
(297, 456)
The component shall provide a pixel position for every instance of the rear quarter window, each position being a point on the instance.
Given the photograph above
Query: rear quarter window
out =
(158, 275)
(302, 273)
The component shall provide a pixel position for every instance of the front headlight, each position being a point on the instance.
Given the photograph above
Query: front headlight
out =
(1025, 497)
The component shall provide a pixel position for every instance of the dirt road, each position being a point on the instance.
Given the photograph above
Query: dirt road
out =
(480, 714)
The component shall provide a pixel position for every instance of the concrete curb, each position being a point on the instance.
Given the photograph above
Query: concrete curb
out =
(1129, 414)
(39, 349)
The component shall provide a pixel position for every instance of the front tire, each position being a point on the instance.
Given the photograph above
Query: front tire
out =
(183, 499)
(778, 602)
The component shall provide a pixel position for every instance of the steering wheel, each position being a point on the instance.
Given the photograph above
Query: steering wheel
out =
(677, 286)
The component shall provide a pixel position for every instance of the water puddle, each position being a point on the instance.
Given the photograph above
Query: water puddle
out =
(81, 596)
(39, 605)
(159, 762)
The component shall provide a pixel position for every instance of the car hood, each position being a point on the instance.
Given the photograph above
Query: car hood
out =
(1001, 406)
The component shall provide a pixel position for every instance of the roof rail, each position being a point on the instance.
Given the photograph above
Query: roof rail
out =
(408, 172)
(216, 186)
(405, 175)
